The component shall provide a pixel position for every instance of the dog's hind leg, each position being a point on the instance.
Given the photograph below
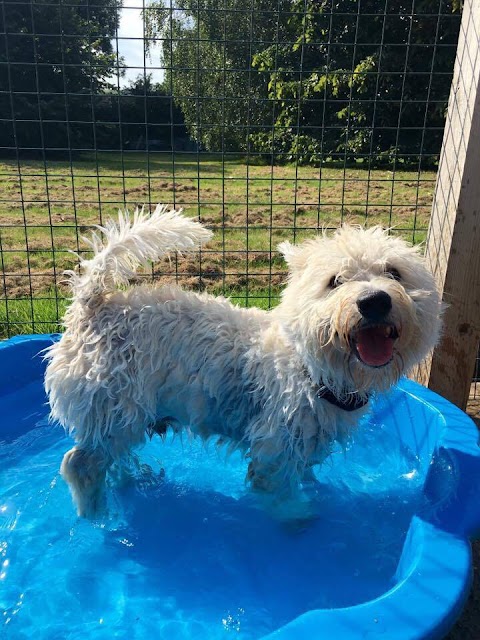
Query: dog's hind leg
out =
(84, 470)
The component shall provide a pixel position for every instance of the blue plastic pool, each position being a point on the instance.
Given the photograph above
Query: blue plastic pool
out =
(186, 553)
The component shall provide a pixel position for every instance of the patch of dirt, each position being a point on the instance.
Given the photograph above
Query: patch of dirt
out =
(473, 406)
(256, 216)
(16, 205)
(304, 189)
(212, 268)
(60, 217)
(20, 286)
(16, 220)
(206, 218)
(467, 626)
(16, 263)
(282, 217)
(143, 189)
(307, 208)
(261, 258)
(81, 188)
(40, 244)
(175, 186)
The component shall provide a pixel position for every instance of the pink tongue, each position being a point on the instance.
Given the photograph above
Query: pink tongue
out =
(374, 347)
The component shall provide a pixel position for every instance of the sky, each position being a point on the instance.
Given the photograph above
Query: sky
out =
(131, 26)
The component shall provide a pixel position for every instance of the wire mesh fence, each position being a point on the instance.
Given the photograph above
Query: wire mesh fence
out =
(266, 119)
(474, 397)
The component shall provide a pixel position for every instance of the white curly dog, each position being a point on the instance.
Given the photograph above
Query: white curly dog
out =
(360, 309)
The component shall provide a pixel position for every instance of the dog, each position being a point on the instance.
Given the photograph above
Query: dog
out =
(360, 309)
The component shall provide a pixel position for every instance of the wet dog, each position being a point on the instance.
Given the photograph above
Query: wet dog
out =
(359, 310)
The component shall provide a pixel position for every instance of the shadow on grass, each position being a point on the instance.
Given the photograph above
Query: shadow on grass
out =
(159, 161)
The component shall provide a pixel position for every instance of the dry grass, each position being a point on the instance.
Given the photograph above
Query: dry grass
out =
(47, 208)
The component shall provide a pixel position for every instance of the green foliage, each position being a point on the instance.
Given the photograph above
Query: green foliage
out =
(309, 80)
(207, 52)
(55, 54)
(283, 80)
(359, 80)
(138, 117)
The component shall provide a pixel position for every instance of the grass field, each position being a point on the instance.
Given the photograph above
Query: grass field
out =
(46, 208)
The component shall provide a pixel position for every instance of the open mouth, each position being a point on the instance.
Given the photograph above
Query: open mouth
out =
(374, 343)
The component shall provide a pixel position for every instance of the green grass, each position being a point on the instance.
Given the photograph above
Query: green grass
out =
(36, 315)
(43, 314)
(47, 208)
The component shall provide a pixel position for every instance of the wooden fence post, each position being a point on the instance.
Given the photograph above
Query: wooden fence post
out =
(453, 244)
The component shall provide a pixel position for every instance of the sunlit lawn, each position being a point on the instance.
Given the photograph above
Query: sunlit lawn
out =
(46, 208)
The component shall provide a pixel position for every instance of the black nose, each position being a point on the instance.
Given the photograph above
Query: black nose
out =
(374, 305)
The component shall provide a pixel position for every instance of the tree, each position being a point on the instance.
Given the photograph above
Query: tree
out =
(207, 52)
(138, 117)
(360, 78)
(305, 80)
(54, 57)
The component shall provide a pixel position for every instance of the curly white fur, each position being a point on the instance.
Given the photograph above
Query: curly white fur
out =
(135, 361)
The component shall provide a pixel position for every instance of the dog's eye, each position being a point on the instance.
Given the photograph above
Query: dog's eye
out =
(393, 273)
(334, 282)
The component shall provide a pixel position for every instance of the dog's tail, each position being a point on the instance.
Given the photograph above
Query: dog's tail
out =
(120, 248)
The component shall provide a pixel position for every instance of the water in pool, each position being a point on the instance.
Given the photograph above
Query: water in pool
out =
(185, 552)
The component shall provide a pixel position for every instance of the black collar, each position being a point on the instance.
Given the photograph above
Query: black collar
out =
(353, 400)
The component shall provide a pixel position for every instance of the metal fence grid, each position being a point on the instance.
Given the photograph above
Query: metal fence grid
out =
(266, 119)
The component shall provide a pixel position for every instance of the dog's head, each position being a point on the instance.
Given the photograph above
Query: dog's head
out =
(360, 306)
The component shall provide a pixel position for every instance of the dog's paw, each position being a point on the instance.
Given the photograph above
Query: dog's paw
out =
(85, 473)
(296, 513)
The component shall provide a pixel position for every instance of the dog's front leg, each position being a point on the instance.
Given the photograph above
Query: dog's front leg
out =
(85, 470)
(272, 470)
(276, 477)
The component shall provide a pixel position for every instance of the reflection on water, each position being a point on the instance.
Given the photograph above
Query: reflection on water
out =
(185, 552)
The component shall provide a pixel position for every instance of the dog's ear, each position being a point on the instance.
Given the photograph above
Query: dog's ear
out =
(295, 256)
